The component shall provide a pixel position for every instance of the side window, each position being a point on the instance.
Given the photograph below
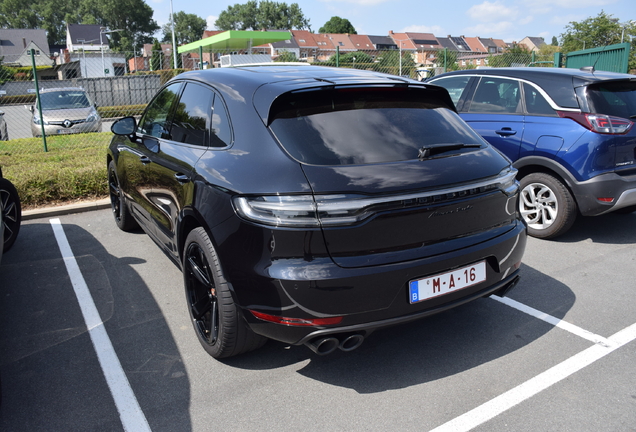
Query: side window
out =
(221, 135)
(154, 122)
(455, 86)
(535, 102)
(192, 115)
(496, 95)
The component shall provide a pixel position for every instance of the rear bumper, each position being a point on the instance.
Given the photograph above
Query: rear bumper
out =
(378, 296)
(621, 188)
(365, 329)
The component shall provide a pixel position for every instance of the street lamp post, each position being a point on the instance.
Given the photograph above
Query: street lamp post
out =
(580, 40)
(102, 31)
(83, 41)
(174, 43)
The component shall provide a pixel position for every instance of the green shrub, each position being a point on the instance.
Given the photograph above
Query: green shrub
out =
(74, 168)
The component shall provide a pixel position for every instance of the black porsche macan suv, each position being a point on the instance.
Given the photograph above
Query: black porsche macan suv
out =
(312, 205)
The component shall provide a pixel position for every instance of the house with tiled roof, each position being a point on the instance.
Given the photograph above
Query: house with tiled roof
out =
(383, 42)
(501, 45)
(402, 41)
(289, 45)
(460, 43)
(86, 37)
(489, 44)
(307, 45)
(475, 45)
(16, 45)
(342, 41)
(447, 43)
(361, 42)
(532, 43)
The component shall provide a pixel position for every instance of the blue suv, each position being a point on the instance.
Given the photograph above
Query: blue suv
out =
(569, 132)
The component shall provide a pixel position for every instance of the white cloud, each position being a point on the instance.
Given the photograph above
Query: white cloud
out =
(492, 12)
(210, 22)
(436, 30)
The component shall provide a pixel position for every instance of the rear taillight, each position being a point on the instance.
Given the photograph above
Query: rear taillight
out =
(599, 123)
(307, 211)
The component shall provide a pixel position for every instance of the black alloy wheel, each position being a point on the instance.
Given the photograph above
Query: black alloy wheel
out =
(201, 294)
(11, 212)
(217, 322)
(123, 218)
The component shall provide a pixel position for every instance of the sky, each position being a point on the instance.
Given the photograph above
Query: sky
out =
(510, 20)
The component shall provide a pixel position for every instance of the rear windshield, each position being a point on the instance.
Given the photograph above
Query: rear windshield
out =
(613, 98)
(366, 125)
(64, 99)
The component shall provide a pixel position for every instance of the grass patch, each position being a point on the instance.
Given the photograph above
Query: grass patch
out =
(74, 168)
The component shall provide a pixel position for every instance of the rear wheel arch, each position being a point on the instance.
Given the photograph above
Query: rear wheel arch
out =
(537, 164)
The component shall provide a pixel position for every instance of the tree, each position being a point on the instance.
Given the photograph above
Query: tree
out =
(50, 15)
(599, 31)
(555, 42)
(592, 32)
(286, 56)
(263, 15)
(389, 62)
(187, 27)
(338, 25)
(518, 54)
(157, 56)
(133, 17)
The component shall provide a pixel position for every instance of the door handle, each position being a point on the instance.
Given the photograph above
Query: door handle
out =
(506, 132)
(182, 178)
(144, 160)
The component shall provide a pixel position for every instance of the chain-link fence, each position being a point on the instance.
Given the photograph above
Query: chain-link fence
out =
(84, 92)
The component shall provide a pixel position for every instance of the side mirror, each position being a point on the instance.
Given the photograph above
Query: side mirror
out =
(29, 107)
(124, 126)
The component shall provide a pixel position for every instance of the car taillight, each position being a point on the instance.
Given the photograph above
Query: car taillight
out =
(599, 123)
(307, 211)
(302, 211)
(300, 322)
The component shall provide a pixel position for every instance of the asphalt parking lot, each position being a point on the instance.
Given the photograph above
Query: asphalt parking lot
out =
(94, 336)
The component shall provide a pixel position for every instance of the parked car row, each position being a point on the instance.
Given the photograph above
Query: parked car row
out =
(569, 133)
(313, 205)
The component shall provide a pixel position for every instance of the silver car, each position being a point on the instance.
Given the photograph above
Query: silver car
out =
(66, 110)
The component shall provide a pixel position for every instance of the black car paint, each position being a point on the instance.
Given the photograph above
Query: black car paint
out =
(293, 271)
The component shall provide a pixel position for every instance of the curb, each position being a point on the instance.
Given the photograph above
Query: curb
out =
(66, 209)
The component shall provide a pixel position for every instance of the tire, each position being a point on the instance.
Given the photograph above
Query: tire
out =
(217, 320)
(11, 212)
(546, 205)
(123, 218)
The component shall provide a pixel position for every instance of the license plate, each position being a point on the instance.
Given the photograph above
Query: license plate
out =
(444, 283)
(65, 131)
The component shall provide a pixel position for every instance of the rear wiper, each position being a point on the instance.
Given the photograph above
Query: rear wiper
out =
(435, 149)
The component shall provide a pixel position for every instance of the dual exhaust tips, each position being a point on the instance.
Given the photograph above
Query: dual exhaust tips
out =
(327, 345)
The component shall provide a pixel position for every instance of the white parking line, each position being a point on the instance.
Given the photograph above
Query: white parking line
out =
(554, 321)
(130, 413)
(507, 400)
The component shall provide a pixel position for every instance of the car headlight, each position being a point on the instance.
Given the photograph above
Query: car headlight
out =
(36, 120)
(92, 117)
